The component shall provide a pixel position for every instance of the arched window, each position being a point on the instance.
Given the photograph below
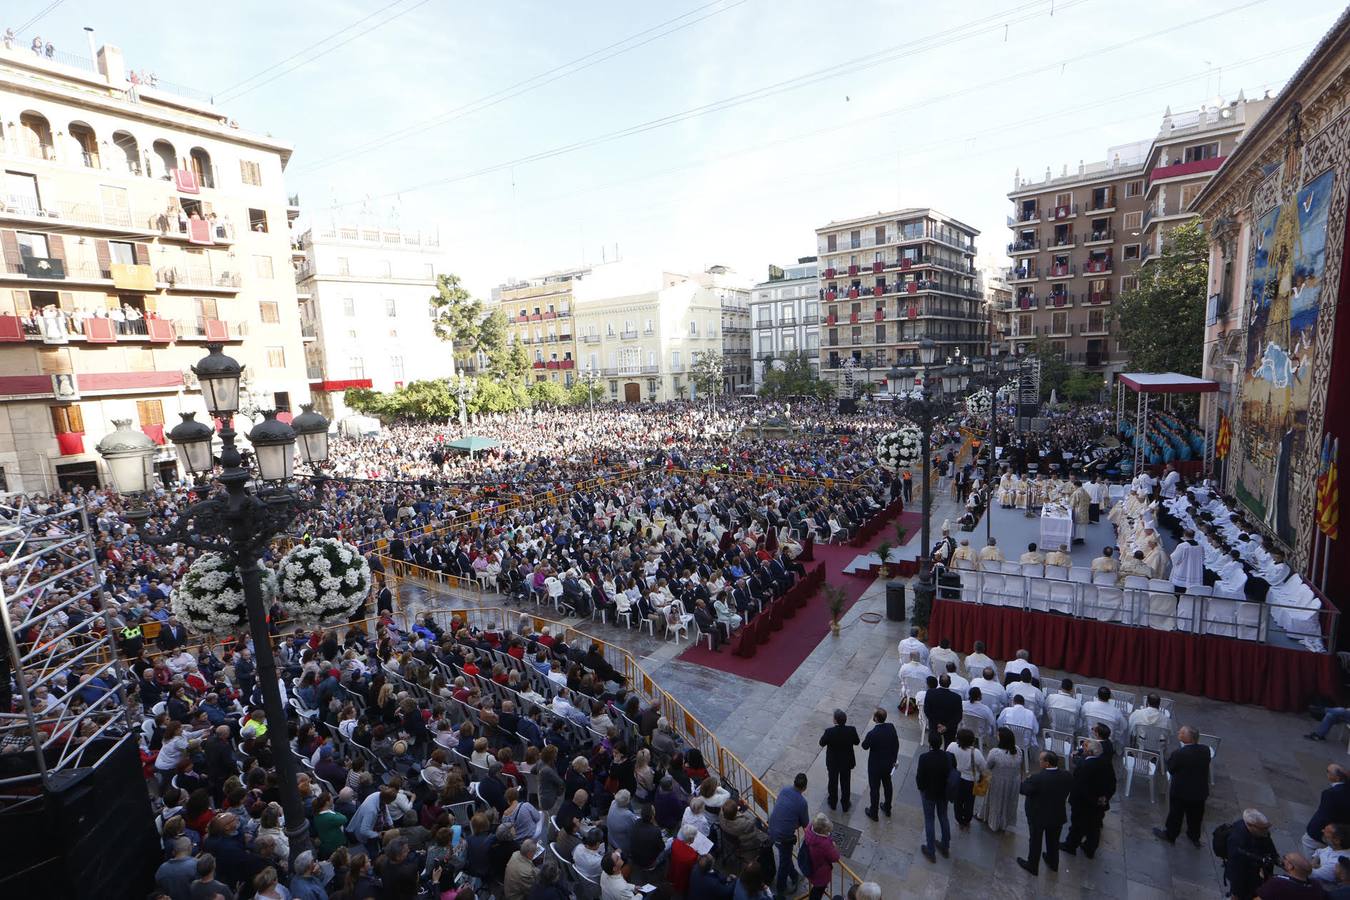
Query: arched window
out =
(200, 161)
(83, 137)
(130, 150)
(168, 158)
(35, 136)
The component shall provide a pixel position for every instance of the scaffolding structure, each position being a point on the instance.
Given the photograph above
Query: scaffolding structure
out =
(47, 570)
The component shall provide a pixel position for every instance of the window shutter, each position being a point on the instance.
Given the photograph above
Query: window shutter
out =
(9, 244)
(104, 256)
(75, 418)
(22, 305)
(56, 246)
(142, 253)
(59, 424)
(66, 301)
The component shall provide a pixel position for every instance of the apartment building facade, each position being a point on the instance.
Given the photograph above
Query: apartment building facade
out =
(539, 316)
(639, 333)
(1075, 247)
(785, 316)
(137, 224)
(1189, 148)
(998, 302)
(733, 293)
(888, 281)
(365, 311)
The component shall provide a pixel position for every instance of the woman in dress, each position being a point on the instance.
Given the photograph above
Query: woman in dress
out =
(970, 762)
(1005, 765)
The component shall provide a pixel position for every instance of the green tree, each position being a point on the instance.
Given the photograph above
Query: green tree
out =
(1161, 323)
(457, 315)
(1082, 387)
(430, 399)
(365, 401)
(792, 376)
(579, 394)
(491, 336)
(706, 373)
(1054, 370)
(547, 393)
(492, 395)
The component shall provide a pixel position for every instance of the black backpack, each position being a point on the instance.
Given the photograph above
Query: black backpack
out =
(1218, 841)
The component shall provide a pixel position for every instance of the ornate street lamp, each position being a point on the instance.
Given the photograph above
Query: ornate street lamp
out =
(240, 523)
(925, 406)
(128, 454)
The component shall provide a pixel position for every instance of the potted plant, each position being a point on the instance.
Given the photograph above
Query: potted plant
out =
(900, 532)
(834, 599)
(884, 551)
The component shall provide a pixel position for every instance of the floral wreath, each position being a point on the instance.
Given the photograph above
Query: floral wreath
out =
(325, 580)
(979, 403)
(209, 598)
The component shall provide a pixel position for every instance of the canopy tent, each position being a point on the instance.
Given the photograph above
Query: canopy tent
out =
(474, 444)
(1145, 385)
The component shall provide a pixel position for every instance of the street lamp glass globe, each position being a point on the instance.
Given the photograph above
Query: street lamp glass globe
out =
(273, 447)
(192, 440)
(927, 351)
(311, 430)
(219, 377)
(128, 454)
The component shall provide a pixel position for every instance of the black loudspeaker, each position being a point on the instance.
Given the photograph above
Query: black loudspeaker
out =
(848, 405)
(91, 835)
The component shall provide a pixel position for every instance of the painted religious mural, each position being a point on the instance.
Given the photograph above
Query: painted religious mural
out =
(1288, 295)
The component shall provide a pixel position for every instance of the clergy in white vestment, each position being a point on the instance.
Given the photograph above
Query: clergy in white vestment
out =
(1188, 562)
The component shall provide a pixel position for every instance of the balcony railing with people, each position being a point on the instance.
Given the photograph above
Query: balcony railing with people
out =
(1095, 237)
(1022, 246)
(1063, 240)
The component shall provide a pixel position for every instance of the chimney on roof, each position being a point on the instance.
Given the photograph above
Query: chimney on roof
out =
(1047, 173)
(112, 67)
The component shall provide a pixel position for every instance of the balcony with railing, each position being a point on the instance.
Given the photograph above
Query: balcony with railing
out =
(1027, 301)
(628, 334)
(1059, 299)
(1027, 216)
(1060, 270)
(1021, 246)
(1149, 215)
(1091, 238)
(1063, 211)
(1019, 274)
(1096, 298)
(590, 338)
(1067, 240)
(197, 278)
(1181, 169)
(1098, 266)
(309, 331)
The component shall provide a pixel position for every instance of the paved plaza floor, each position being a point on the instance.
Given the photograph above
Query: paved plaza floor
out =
(1263, 762)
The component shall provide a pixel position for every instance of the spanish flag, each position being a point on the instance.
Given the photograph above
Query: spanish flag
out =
(1224, 439)
(1328, 491)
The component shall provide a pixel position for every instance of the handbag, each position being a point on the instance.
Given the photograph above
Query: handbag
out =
(981, 786)
(953, 780)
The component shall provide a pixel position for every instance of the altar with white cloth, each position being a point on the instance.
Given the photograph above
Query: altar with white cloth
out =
(1056, 526)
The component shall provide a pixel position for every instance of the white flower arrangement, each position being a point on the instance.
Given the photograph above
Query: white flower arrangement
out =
(978, 403)
(323, 582)
(209, 598)
(900, 449)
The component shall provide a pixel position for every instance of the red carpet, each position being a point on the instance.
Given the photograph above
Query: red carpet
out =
(775, 661)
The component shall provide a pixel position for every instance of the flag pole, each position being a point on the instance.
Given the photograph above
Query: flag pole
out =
(1326, 542)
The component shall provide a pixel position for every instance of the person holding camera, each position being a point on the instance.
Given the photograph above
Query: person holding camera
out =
(1250, 858)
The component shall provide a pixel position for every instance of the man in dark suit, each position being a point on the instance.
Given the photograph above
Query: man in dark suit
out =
(1046, 792)
(942, 708)
(172, 636)
(1333, 808)
(1189, 767)
(839, 741)
(1094, 783)
(883, 749)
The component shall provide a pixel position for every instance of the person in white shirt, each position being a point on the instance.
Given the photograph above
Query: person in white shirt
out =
(992, 691)
(1150, 714)
(1015, 667)
(975, 711)
(978, 661)
(1065, 699)
(1169, 483)
(1232, 577)
(1017, 714)
(942, 654)
(1031, 695)
(959, 682)
(1188, 563)
(1335, 835)
(912, 644)
(1102, 708)
(914, 669)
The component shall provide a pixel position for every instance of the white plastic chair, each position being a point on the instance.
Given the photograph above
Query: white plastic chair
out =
(1154, 739)
(1136, 583)
(1251, 621)
(1080, 575)
(1144, 764)
(1212, 742)
(1110, 604)
(1162, 611)
(1062, 596)
(972, 587)
(1011, 568)
(1038, 594)
(991, 587)
(1014, 591)
(1061, 742)
(1025, 738)
(1058, 573)
(1033, 570)
(1161, 584)
(1064, 720)
(1104, 578)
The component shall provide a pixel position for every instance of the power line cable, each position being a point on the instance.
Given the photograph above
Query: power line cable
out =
(534, 82)
(235, 95)
(39, 17)
(304, 50)
(781, 87)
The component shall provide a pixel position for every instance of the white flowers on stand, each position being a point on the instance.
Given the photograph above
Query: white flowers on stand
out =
(325, 581)
(900, 449)
(978, 403)
(209, 598)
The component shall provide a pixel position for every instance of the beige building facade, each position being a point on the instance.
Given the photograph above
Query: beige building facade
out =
(539, 316)
(136, 225)
(640, 332)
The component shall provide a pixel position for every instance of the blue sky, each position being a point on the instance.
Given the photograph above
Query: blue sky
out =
(961, 95)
